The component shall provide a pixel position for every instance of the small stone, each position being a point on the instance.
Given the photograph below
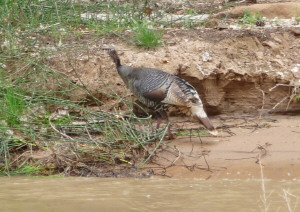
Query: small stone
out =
(296, 71)
(206, 57)
(165, 61)
(2, 65)
(9, 133)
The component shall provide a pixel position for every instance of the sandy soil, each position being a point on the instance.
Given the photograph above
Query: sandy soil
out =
(235, 154)
(279, 10)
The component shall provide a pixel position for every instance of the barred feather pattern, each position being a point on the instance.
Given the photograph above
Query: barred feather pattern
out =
(146, 80)
(182, 93)
(158, 90)
(150, 86)
(176, 92)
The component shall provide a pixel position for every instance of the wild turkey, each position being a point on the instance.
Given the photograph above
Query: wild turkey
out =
(158, 89)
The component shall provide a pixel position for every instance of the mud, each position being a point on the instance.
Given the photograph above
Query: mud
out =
(237, 152)
(253, 71)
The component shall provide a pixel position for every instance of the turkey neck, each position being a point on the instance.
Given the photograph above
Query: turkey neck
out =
(125, 72)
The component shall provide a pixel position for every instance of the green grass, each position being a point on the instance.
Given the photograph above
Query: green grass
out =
(23, 22)
(146, 37)
(298, 19)
(26, 170)
(28, 124)
(12, 106)
(250, 18)
(191, 12)
(188, 23)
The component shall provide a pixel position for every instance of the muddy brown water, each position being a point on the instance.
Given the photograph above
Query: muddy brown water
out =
(96, 194)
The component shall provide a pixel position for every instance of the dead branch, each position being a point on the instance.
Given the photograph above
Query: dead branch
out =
(292, 96)
(271, 89)
(280, 102)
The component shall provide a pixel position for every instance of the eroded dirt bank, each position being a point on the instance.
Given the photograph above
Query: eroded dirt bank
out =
(242, 75)
(243, 65)
(233, 70)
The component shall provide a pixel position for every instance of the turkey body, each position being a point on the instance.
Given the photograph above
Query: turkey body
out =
(158, 89)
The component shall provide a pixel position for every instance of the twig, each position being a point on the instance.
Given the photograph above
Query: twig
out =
(91, 137)
(263, 188)
(66, 136)
(204, 153)
(179, 155)
(162, 138)
(192, 146)
(263, 104)
(208, 168)
(239, 158)
(292, 97)
(263, 101)
(263, 151)
(295, 88)
(271, 89)
(285, 196)
(56, 130)
(280, 102)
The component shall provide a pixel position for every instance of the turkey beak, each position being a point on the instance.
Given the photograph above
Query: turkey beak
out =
(208, 125)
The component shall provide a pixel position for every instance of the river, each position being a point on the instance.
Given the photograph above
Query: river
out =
(99, 194)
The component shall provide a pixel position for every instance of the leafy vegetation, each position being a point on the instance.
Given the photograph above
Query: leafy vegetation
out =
(145, 36)
(251, 19)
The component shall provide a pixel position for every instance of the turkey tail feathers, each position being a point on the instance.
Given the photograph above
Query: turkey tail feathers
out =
(114, 55)
(200, 114)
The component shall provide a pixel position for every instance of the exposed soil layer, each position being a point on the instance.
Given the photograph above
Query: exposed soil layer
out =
(243, 66)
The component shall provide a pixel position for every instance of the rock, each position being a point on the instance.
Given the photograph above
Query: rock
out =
(206, 57)
(296, 71)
